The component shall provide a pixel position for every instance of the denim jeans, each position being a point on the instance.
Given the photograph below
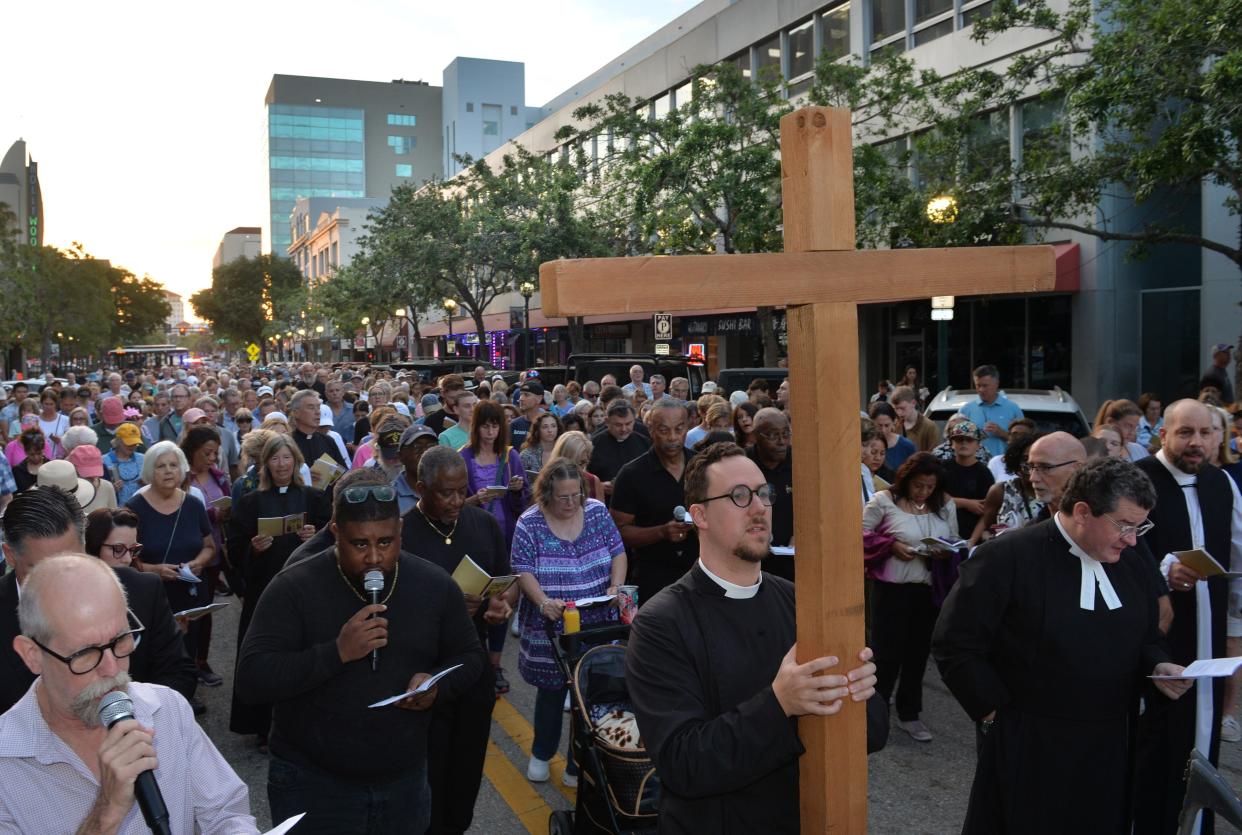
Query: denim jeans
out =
(549, 717)
(334, 806)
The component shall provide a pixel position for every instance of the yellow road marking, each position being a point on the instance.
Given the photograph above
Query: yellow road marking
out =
(516, 790)
(523, 734)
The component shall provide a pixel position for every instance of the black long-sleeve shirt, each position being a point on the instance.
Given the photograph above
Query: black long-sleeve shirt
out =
(321, 717)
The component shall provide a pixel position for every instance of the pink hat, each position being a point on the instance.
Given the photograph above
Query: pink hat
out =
(112, 410)
(192, 416)
(87, 460)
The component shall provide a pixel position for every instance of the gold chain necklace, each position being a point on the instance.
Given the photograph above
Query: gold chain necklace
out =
(448, 537)
(396, 570)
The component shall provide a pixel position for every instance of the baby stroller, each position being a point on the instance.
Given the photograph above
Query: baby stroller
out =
(617, 784)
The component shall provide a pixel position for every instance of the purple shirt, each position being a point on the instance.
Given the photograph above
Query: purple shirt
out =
(565, 571)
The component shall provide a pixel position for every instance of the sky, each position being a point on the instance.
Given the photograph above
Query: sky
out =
(147, 119)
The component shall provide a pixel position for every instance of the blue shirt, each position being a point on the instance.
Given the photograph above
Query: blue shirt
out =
(343, 423)
(898, 453)
(406, 497)
(1002, 411)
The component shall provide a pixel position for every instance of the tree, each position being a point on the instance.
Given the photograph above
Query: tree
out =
(703, 178)
(250, 298)
(1140, 99)
(141, 306)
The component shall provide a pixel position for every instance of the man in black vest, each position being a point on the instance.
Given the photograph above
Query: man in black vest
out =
(1197, 506)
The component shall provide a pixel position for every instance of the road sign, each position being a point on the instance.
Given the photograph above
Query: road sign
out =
(450, 347)
(400, 341)
(252, 351)
(662, 349)
(663, 327)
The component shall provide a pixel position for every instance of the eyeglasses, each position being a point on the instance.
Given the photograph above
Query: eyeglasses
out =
(1127, 530)
(742, 496)
(572, 498)
(86, 659)
(1042, 469)
(776, 436)
(120, 549)
(358, 495)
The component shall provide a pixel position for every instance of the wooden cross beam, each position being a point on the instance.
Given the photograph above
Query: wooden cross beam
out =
(821, 279)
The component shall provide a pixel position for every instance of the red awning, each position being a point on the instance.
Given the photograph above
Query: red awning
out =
(1068, 257)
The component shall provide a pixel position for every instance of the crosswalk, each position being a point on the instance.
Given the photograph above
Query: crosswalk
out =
(508, 778)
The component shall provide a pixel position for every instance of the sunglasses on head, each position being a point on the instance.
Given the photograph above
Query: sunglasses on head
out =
(359, 494)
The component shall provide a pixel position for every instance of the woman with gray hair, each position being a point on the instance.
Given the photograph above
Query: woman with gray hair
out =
(174, 531)
(566, 547)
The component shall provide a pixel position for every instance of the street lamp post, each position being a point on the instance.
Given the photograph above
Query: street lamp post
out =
(319, 342)
(942, 209)
(450, 307)
(527, 290)
(400, 314)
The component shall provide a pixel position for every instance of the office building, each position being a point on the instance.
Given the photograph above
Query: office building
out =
(484, 104)
(1113, 326)
(20, 193)
(242, 242)
(325, 232)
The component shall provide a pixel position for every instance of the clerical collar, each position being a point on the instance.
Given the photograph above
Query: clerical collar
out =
(1183, 478)
(1093, 575)
(283, 490)
(733, 590)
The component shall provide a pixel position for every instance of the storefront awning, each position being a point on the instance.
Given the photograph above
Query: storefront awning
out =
(1068, 257)
(500, 321)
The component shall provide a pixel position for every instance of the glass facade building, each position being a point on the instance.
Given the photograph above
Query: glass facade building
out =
(313, 151)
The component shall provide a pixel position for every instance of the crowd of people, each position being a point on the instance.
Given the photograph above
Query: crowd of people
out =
(336, 502)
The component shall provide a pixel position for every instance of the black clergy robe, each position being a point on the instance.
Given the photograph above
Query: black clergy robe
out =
(1064, 681)
(1166, 729)
(699, 667)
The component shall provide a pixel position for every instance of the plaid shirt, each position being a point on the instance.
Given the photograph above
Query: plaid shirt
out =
(7, 484)
(46, 788)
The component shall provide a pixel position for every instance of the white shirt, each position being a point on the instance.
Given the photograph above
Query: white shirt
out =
(996, 466)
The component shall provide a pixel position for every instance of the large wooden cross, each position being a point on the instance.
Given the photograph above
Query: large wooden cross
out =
(821, 279)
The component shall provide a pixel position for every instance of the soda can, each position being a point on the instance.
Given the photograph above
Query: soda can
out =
(627, 602)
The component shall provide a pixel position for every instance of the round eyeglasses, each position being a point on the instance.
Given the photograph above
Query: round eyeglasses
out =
(742, 496)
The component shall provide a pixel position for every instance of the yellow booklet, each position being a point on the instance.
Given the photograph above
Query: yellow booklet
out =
(472, 579)
(325, 471)
(279, 525)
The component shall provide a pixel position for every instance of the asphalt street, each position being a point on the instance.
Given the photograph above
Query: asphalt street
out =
(913, 787)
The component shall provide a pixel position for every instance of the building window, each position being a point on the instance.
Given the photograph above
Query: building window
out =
(1044, 133)
(988, 143)
(936, 30)
(888, 17)
(404, 169)
(925, 10)
(469, 107)
(802, 49)
(661, 105)
(768, 58)
(976, 13)
(403, 119)
(836, 31)
(402, 144)
(742, 62)
(491, 120)
(684, 95)
(513, 110)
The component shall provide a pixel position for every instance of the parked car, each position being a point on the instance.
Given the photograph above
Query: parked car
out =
(739, 379)
(1053, 410)
(430, 369)
(584, 367)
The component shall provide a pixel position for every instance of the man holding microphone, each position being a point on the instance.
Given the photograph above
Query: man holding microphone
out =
(61, 769)
(352, 768)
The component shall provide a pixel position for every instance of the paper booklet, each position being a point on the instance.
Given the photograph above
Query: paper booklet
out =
(184, 572)
(422, 688)
(1209, 668)
(223, 503)
(594, 601)
(279, 525)
(199, 611)
(286, 826)
(781, 550)
(472, 579)
(1204, 564)
(939, 544)
(325, 471)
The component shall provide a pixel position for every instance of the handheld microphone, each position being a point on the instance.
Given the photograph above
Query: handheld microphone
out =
(680, 514)
(373, 584)
(116, 707)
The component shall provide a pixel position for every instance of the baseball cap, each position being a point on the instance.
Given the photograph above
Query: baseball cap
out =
(401, 408)
(532, 387)
(413, 433)
(87, 460)
(1221, 346)
(325, 415)
(192, 416)
(129, 434)
(709, 387)
(112, 410)
(264, 390)
(965, 429)
(388, 437)
(431, 403)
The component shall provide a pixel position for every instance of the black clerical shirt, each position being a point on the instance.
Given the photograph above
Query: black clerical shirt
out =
(649, 493)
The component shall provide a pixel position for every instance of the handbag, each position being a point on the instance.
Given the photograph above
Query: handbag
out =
(877, 548)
